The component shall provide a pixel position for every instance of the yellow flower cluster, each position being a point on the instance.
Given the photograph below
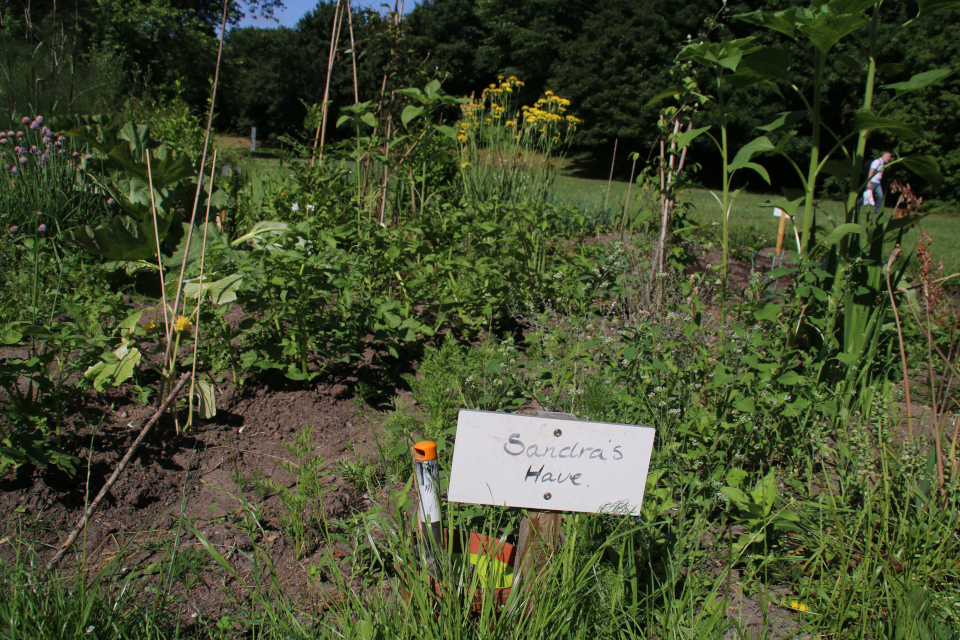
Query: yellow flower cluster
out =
(507, 85)
(182, 324)
(495, 107)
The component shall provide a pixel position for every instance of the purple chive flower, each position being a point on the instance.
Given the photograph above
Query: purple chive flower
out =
(89, 156)
(39, 213)
(6, 167)
(111, 202)
(19, 134)
(25, 120)
(23, 159)
(39, 119)
(75, 154)
(10, 134)
(42, 228)
(34, 149)
(3, 142)
(14, 171)
(14, 229)
(35, 126)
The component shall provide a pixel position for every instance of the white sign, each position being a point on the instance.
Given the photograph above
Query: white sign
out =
(779, 213)
(544, 463)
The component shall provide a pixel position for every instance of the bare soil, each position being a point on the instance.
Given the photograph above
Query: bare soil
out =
(179, 484)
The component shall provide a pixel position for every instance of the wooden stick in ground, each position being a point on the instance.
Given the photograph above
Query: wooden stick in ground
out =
(613, 162)
(780, 232)
(116, 474)
(626, 205)
(353, 54)
(539, 532)
(322, 125)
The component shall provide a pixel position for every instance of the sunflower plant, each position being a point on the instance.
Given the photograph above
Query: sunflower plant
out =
(511, 153)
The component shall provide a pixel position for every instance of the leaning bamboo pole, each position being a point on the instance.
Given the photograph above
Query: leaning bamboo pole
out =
(320, 136)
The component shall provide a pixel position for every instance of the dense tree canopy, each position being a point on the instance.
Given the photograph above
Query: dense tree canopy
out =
(608, 58)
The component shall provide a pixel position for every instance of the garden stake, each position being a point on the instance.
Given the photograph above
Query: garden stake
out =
(322, 125)
(116, 474)
(427, 474)
(613, 162)
(539, 531)
(353, 54)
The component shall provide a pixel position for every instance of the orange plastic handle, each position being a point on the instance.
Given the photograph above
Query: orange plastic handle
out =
(425, 450)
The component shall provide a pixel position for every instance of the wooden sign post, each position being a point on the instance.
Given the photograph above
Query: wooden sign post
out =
(548, 463)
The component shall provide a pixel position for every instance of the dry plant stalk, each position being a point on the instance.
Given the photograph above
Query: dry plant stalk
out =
(613, 162)
(353, 54)
(203, 156)
(321, 134)
(196, 313)
(82, 523)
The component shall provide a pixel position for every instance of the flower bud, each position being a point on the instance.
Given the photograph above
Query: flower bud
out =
(25, 120)
(42, 228)
(39, 119)
(111, 202)
(14, 229)
(23, 159)
(89, 156)
(75, 154)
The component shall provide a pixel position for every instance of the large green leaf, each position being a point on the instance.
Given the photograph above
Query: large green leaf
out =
(685, 138)
(931, 6)
(409, 113)
(781, 120)
(866, 120)
(123, 238)
(744, 156)
(840, 232)
(920, 80)
(114, 369)
(925, 167)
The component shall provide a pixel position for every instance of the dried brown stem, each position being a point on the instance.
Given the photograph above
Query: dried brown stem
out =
(82, 523)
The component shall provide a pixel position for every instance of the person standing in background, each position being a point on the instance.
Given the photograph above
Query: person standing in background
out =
(874, 191)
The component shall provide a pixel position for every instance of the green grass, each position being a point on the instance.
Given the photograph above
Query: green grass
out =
(749, 215)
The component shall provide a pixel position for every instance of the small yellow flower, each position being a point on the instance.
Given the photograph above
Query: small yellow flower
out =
(149, 327)
(182, 324)
(464, 165)
(799, 606)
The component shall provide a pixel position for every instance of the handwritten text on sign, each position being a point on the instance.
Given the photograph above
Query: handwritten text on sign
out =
(545, 463)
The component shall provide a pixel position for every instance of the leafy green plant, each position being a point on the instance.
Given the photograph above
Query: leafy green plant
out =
(756, 509)
(303, 518)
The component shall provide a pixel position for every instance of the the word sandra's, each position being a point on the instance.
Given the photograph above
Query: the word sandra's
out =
(516, 447)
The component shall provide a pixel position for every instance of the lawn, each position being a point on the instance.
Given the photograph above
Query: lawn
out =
(750, 216)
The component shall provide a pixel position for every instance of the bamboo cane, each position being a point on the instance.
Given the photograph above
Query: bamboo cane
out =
(321, 134)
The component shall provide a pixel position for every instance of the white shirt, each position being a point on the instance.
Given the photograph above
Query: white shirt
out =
(876, 167)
